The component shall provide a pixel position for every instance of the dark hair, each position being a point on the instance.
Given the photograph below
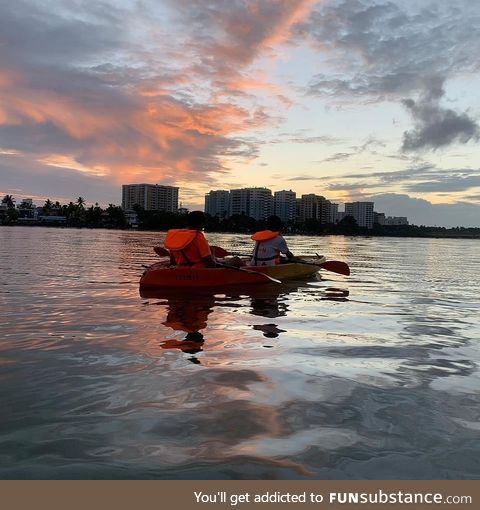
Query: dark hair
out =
(196, 219)
(274, 223)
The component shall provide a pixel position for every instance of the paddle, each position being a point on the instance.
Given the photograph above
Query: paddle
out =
(258, 273)
(162, 252)
(335, 266)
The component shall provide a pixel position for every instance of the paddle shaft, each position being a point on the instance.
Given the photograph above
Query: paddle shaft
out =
(258, 273)
(334, 266)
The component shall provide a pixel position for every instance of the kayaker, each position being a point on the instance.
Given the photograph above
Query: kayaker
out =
(269, 244)
(188, 246)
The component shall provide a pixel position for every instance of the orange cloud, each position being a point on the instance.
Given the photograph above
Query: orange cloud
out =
(136, 122)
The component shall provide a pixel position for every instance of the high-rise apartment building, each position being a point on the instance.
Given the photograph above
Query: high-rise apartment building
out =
(152, 197)
(332, 212)
(217, 203)
(379, 217)
(362, 212)
(254, 202)
(284, 205)
(315, 207)
(239, 201)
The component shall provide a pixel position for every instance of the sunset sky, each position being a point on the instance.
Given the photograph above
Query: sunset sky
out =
(353, 100)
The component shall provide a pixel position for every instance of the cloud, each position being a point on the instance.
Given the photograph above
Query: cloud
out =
(352, 186)
(420, 179)
(435, 126)
(143, 100)
(325, 139)
(302, 178)
(367, 146)
(388, 51)
(423, 212)
(449, 184)
(339, 156)
(235, 34)
(18, 176)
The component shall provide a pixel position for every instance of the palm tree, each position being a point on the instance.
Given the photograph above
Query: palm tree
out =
(80, 202)
(47, 206)
(70, 211)
(8, 199)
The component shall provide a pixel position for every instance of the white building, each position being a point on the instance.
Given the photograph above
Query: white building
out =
(152, 197)
(217, 203)
(284, 205)
(396, 220)
(315, 207)
(362, 212)
(27, 203)
(254, 202)
(131, 218)
(332, 213)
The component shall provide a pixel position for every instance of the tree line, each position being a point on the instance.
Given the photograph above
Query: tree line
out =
(243, 224)
(76, 214)
(73, 214)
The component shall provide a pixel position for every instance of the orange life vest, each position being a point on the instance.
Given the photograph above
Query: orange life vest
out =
(178, 242)
(179, 238)
(259, 238)
(265, 235)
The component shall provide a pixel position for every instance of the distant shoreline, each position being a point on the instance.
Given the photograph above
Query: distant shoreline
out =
(420, 235)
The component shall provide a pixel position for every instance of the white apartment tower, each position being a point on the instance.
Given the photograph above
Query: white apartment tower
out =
(315, 207)
(362, 212)
(284, 205)
(332, 213)
(152, 197)
(217, 203)
(254, 202)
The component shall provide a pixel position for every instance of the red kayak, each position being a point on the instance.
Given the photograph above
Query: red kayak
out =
(161, 275)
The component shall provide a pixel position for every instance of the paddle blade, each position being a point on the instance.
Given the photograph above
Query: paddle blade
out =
(336, 266)
(219, 252)
(161, 252)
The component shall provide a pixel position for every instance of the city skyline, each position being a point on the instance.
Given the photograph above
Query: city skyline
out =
(354, 100)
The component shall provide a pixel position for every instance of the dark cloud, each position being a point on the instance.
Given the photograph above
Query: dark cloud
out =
(450, 184)
(53, 34)
(473, 198)
(436, 126)
(389, 51)
(423, 212)
(421, 179)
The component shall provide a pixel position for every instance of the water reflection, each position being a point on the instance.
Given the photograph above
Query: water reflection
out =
(374, 376)
(189, 314)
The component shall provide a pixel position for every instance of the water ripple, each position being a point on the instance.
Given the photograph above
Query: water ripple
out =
(372, 376)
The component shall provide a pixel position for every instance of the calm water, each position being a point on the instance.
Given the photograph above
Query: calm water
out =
(371, 376)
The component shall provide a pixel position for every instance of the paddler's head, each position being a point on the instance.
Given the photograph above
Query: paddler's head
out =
(274, 223)
(196, 220)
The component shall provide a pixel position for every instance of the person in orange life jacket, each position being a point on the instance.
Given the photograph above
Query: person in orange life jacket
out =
(269, 244)
(188, 246)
